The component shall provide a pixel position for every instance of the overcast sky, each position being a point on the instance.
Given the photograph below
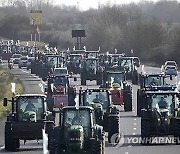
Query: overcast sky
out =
(86, 4)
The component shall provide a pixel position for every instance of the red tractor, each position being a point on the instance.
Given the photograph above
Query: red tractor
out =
(121, 90)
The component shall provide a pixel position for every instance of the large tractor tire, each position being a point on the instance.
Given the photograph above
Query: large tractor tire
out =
(139, 103)
(10, 143)
(127, 101)
(98, 147)
(177, 131)
(145, 131)
(113, 126)
(135, 77)
(49, 130)
(83, 79)
(54, 143)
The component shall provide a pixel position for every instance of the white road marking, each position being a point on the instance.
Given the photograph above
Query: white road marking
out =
(135, 123)
(34, 76)
(1, 148)
(126, 152)
(135, 119)
(134, 128)
(134, 133)
(25, 71)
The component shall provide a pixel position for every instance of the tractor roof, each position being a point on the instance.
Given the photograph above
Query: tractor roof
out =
(31, 95)
(153, 75)
(162, 89)
(96, 90)
(115, 71)
(80, 108)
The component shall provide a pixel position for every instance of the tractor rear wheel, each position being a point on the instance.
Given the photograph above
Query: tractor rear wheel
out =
(98, 147)
(127, 101)
(177, 131)
(145, 131)
(83, 79)
(113, 126)
(139, 101)
(10, 142)
(135, 77)
(49, 130)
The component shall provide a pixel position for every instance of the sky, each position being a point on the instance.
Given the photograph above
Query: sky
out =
(86, 4)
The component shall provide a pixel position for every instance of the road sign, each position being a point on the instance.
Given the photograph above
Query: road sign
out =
(36, 18)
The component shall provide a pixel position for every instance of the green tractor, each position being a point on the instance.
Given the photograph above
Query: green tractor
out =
(107, 115)
(28, 117)
(77, 132)
(160, 115)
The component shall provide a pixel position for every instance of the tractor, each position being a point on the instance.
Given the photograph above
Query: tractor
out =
(77, 132)
(59, 92)
(91, 70)
(74, 63)
(107, 115)
(147, 83)
(130, 65)
(28, 117)
(121, 90)
(160, 114)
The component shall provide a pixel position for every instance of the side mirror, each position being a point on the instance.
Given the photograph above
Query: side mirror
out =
(53, 113)
(44, 79)
(5, 101)
(171, 77)
(75, 78)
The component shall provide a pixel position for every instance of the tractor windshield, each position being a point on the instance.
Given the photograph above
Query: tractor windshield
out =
(53, 61)
(76, 57)
(78, 117)
(91, 63)
(126, 63)
(97, 97)
(161, 102)
(91, 54)
(60, 80)
(154, 81)
(114, 59)
(30, 108)
(115, 77)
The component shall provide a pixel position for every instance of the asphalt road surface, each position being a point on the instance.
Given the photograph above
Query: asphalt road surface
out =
(129, 123)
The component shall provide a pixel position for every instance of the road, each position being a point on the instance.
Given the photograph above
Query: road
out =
(129, 123)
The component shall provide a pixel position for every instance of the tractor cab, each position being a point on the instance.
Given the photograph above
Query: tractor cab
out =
(74, 63)
(28, 117)
(81, 118)
(129, 65)
(114, 78)
(28, 107)
(98, 98)
(92, 54)
(149, 80)
(160, 113)
(113, 61)
(91, 65)
(77, 132)
(106, 114)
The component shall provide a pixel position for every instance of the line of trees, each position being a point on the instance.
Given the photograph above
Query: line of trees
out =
(152, 30)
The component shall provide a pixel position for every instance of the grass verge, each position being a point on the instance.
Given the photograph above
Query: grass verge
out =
(5, 89)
